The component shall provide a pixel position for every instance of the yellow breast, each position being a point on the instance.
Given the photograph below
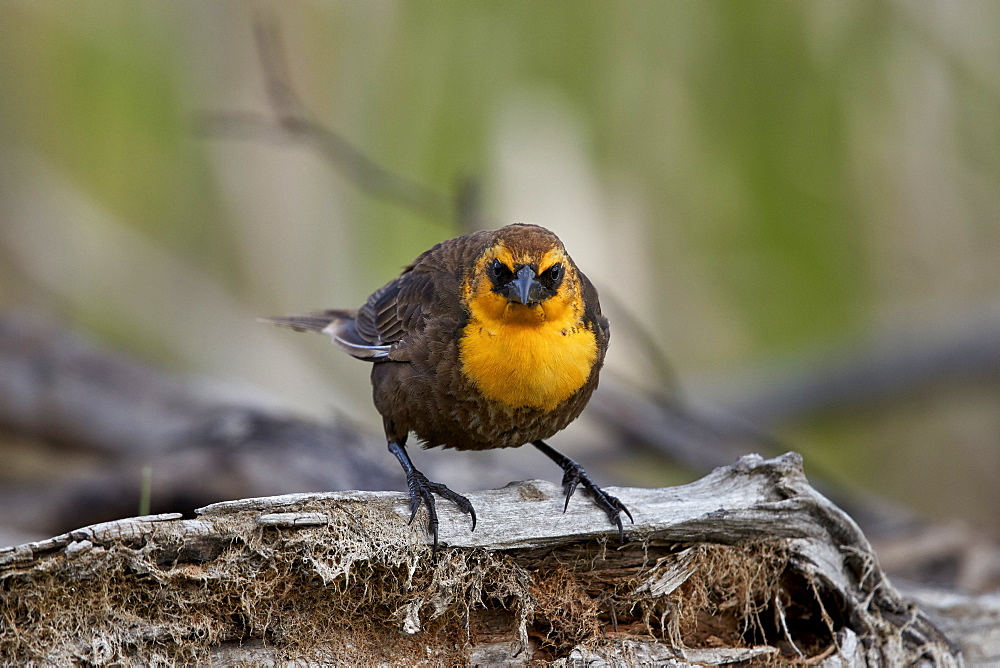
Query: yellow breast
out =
(526, 355)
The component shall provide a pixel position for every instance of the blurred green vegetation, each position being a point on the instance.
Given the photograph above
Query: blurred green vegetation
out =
(752, 181)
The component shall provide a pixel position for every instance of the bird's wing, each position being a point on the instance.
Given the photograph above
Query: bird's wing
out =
(392, 321)
(430, 288)
(592, 313)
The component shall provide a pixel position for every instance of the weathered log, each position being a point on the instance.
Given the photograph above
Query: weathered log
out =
(971, 620)
(747, 564)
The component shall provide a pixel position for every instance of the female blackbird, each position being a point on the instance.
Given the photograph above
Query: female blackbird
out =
(491, 340)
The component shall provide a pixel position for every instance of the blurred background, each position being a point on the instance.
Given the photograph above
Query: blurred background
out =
(790, 210)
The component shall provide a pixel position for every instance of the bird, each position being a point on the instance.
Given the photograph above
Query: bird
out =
(490, 340)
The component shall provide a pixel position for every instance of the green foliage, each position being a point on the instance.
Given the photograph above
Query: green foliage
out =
(796, 173)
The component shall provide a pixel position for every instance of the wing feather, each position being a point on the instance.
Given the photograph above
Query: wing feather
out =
(592, 313)
(392, 321)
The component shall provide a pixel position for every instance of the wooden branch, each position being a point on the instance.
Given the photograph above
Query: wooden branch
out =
(746, 564)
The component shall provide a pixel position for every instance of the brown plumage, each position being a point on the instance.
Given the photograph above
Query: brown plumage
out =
(491, 340)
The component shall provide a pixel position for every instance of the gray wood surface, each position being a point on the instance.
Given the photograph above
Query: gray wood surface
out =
(331, 538)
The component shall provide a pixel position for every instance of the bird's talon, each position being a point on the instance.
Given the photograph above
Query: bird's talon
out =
(625, 510)
(422, 491)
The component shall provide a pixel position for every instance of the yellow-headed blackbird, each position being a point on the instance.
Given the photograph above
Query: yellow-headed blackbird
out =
(491, 340)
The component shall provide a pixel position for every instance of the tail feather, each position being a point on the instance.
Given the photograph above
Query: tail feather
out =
(316, 321)
(340, 326)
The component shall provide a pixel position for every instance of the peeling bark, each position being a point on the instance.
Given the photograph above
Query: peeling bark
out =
(749, 563)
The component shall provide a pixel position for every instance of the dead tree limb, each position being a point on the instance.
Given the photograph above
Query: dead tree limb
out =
(746, 564)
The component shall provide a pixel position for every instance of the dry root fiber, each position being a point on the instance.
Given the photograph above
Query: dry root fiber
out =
(328, 593)
(339, 593)
(684, 596)
(747, 564)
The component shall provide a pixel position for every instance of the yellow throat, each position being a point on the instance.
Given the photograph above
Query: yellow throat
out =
(520, 355)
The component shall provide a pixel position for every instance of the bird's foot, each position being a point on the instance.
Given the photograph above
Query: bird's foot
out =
(575, 475)
(423, 490)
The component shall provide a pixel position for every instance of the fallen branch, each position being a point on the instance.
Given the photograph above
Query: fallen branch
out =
(746, 564)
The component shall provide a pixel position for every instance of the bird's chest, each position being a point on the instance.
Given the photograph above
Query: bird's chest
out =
(537, 364)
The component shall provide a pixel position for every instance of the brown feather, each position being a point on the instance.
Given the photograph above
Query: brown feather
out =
(419, 385)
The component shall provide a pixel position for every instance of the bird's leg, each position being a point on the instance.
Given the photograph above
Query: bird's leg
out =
(423, 490)
(573, 475)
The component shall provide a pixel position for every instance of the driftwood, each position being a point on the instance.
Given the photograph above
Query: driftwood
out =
(747, 564)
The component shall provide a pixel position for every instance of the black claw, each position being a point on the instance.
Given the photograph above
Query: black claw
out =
(624, 510)
(570, 480)
(415, 501)
(575, 475)
(463, 503)
(422, 491)
(611, 506)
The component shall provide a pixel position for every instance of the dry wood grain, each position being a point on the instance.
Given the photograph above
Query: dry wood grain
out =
(749, 563)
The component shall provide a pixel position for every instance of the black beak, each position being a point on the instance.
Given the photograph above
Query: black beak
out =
(525, 287)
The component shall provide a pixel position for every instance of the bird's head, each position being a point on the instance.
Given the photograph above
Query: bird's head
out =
(524, 275)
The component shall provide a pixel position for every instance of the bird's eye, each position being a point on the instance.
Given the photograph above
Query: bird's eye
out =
(501, 272)
(551, 276)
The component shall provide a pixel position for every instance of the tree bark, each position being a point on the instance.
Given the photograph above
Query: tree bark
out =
(749, 563)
